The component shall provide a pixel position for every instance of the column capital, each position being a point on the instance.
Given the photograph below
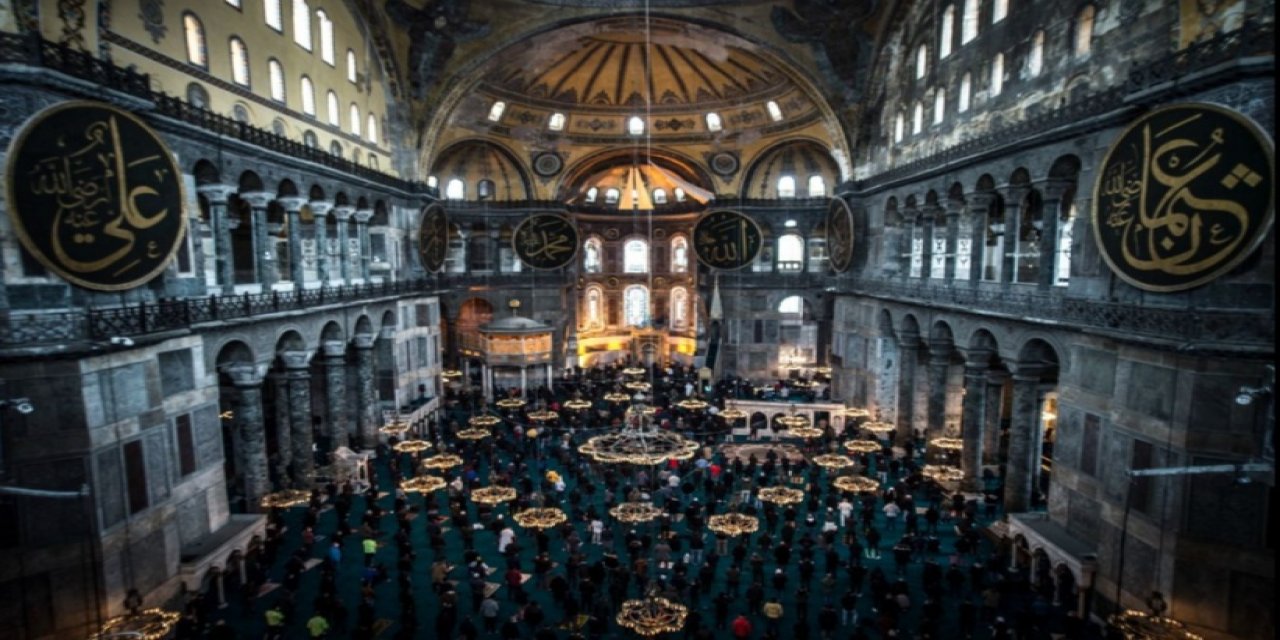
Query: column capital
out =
(1013, 194)
(257, 199)
(292, 204)
(978, 359)
(981, 201)
(1055, 188)
(1029, 371)
(334, 348)
(955, 207)
(320, 208)
(997, 377)
(217, 193)
(295, 360)
(243, 375)
(941, 347)
(343, 212)
(364, 340)
(931, 211)
(363, 216)
(908, 340)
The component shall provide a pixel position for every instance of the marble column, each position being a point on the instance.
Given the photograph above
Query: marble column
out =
(297, 366)
(954, 208)
(246, 408)
(366, 400)
(1013, 197)
(264, 248)
(220, 219)
(1052, 192)
(979, 206)
(320, 211)
(284, 446)
(338, 424)
(977, 362)
(908, 352)
(293, 224)
(341, 216)
(939, 362)
(362, 232)
(1022, 430)
(992, 406)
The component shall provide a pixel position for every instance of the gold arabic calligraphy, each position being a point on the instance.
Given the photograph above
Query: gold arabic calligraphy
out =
(727, 240)
(546, 241)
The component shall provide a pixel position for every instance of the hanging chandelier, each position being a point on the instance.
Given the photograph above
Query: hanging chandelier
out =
(544, 415)
(616, 396)
(485, 420)
(395, 428)
(733, 524)
(947, 444)
(941, 473)
(634, 371)
(780, 495)
(412, 446)
(652, 615)
(878, 428)
(833, 461)
(577, 404)
(793, 419)
(510, 403)
(732, 413)
(493, 495)
(422, 484)
(149, 624)
(639, 447)
(1139, 625)
(822, 371)
(450, 374)
(855, 484)
(692, 404)
(806, 432)
(473, 433)
(638, 386)
(540, 518)
(285, 499)
(855, 412)
(863, 446)
(632, 512)
(442, 461)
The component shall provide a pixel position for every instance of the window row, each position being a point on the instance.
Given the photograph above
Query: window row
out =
(635, 256)
(302, 35)
(635, 125)
(1081, 35)
(635, 308)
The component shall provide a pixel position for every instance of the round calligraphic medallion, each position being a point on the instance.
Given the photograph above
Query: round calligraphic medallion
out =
(1184, 195)
(726, 239)
(433, 238)
(840, 234)
(95, 195)
(545, 241)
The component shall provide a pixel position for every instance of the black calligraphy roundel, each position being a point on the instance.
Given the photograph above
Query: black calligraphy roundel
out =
(95, 196)
(433, 238)
(840, 234)
(1184, 195)
(545, 241)
(726, 240)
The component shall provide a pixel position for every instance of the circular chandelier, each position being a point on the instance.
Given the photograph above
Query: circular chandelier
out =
(631, 512)
(634, 371)
(577, 404)
(449, 374)
(285, 499)
(808, 433)
(149, 624)
(544, 415)
(422, 484)
(394, 428)
(1138, 625)
(412, 446)
(862, 446)
(473, 433)
(637, 446)
(833, 461)
(878, 428)
(941, 473)
(493, 494)
(652, 615)
(822, 371)
(733, 524)
(793, 420)
(733, 413)
(442, 461)
(855, 412)
(510, 403)
(781, 495)
(484, 420)
(692, 404)
(540, 518)
(616, 396)
(947, 444)
(856, 484)
(638, 385)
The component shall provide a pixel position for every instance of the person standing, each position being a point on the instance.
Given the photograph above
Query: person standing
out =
(773, 615)
(489, 612)
(741, 627)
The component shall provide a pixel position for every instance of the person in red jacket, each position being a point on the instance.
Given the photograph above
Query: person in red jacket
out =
(741, 627)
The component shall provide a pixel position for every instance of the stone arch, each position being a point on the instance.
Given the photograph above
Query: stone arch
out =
(316, 193)
(250, 182)
(364, 326)
(884, 323)
(941, 331)
(331, 331)
(206, 172)
(982, 338)
(389, 320)
(290, 340)
(910, 324)
(287, 189)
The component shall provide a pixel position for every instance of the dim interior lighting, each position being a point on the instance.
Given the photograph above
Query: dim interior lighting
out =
(442, 461)
(652, 615)
(493, 495)
(856, 484)
(808, 433)
(863, 446)
(822, 371)
(422, 484)
(285, 499)
(412, 446)
(633, 512)
(733, 524)
(1139, 625)
(833, 461)
(450, 374)
(149, 624)
(780, 495)
(577, 403)
(473, 433)
(540, 518)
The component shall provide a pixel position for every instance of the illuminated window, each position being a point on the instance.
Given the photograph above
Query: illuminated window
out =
(679, 193)
(917, 119)
(817, 186)
(556, 123)
(999, 9)
(308, 97)
(679, 255)
(591, 256)
(335, 111)
(659, 196)
(456, 190)
(635, 257)
(922, 62)
(635, 126)
(240, 113)
(495, 111)
(713, 122)
(1035, 59)
(1062, 265)
(898, 128)
(371, 129)
(1084, 30)
(787, 187)
(352, 74)
(197, 53)
(271, 13)
(791, 305)
(432, 182)
(276, 73)
(611, 196)
(326, 37)
(939, 105)
(966, 88)
(302, 24)
(335, 148)
(969, 27)
(946, 35)
(775, 112)
(354, 119)
(240, 62)
(790, 252)
(679, 307)
(310, 139)
(997, 75)
(594, 314)
(197, 96)
(592, 193)
(234, 3)
(484, 189)
(636, 301)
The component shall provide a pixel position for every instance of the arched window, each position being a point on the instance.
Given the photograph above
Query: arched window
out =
(197, 96)
(239, 62)
(946, 34)
(310, 139)
(271, 14)
(352, 74)
(790, 252)
(456, 190)
(556, 123)
(922, 61)
(679, 194)
(594, 311)
(659, 196)
(997, 75)
(679, 308)
(679, 255)
(334, 110)
(197, 53)
(636, 305)
(484, 189)
(302, 24)
(373, 161)
(999, 9)
(1035, 59)
(432, 182)
(1062, 265)
(592, 193)
(591, 256)
(335, 148)
(817, 186)
(898, 128)
(279, 128)
(308, 97)
(371, 129)
(1030, 239)
(635, 126)
(993, 246)
(240, 113)
(966, 89)
(1084, 29)
(791, 306)
(775, 112)
(713, 122)
(939, 105)
(787, 187)
(354, 119)
(276, 73)
(635, 257)
(495, 111)
(611, 196)
(969, 26)
(326, 37)
(917, 118)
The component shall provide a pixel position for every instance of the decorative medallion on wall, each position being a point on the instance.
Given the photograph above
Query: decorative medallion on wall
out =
(726, 239)
(659, 234)
(433, 238)
(840, 235)
(612, 282)
(547, 164)
(545, 241)
(95, 195)
(660, 282)
(151, 12)
(724, 163)
(611, 233)
(1184, 196)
